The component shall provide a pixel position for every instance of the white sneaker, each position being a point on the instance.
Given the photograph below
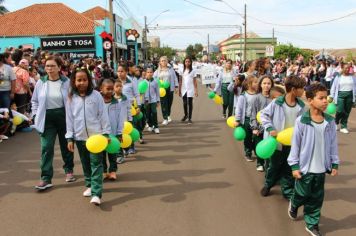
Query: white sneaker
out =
(165, 122)
(149, 129)
(260, 168)
(4, 137)
(87, 192)
(156, 131)
(169, 119)
(95, 200)
(344, 131)
(146, 126)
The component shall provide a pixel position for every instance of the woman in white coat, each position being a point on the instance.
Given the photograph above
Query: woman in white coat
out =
(188, 88)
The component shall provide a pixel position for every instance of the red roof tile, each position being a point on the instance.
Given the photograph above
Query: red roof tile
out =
(45, 19)
(97, 13)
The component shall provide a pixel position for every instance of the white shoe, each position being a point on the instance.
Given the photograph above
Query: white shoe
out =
(4, 137)
(169, 119)
(95, 200)
(165, 122)
(146, 126)
(149, 129)
(156, 131)
(260, 168)
(344, 131)
(87, 192)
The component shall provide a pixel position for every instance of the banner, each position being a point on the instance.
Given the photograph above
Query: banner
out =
(208, 74)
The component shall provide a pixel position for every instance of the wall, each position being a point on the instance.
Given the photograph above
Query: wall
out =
(16, 41)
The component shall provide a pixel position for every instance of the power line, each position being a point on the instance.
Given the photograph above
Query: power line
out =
(194, 27)
(306, 24)
(275, 24)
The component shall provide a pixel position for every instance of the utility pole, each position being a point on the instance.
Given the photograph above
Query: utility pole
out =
(208, 50)
(145, 44)
(245, 25)
(272, 36)
(112, 28)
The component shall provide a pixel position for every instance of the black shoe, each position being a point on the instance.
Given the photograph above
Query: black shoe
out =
(142, 141)
(43, 185)
(292, 211)
(184, 118)
(249, 158)
(265, 191)
(314, 231)
(190, 122)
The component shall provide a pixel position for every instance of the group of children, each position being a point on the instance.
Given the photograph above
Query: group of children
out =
(314, 147)
(104, 111)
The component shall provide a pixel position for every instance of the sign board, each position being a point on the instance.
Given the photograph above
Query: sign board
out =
(208, 74)
(79, 55)
(269, 51)
(107, 45)
(65, 43)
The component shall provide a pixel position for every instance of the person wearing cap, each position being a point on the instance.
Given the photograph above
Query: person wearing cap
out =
(22, 88)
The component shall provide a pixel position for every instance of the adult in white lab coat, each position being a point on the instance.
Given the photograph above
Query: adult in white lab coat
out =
(188, 88)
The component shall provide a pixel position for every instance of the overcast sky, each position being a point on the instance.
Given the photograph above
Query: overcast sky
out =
(336, 34)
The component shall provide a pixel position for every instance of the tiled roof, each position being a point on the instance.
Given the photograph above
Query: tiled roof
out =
(96, 13)
(45, 19)
(237, 36)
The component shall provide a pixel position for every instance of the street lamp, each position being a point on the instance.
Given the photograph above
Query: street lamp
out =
(146, 31)
(244, 24)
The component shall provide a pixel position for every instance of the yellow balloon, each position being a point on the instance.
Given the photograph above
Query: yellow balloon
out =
(162, 92)
(258, 117)
(231, 122)
(127, 128)
(126, 141)
(133, 111)
(285, 137)
(96, 143)
(17, 120)
(135, 102)
(218, 100)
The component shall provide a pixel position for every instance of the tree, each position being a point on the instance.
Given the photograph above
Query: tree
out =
(163, 51)
(3, 9)
(284, 51)
(349, 56)
(195, 51)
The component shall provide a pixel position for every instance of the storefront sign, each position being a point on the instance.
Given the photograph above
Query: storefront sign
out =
(78, 55)
(65, 43)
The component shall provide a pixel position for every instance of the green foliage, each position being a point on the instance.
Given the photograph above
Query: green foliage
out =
(163, 51)
(194, 51)
(349, 56)
(288, 50)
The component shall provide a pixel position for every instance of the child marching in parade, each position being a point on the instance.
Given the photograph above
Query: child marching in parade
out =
(261, 100)
(86, 116)
(280, 114)
(314, 152)
(130, 91)
(118, 110)
(152, 101)
(243, 113)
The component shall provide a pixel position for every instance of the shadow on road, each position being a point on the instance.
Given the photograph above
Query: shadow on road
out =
(329, 225)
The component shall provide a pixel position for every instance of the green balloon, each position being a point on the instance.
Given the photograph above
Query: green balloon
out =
(239, 134)
(159, 82)
(166, 84)
(139, 116)
(135, 135)
(266, 148)
(142, 86)
(211, 95)
(331, 109)
(114, 145)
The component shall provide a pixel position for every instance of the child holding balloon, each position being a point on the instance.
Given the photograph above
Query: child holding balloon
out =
(243, 112)
(86, 116)
(313, 153)
(140, 122)
(281, 114)
(130, 90)
(118, 110)
(261, 100)
(152, 100)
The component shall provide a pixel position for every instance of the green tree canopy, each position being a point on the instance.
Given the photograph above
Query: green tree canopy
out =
(284, 51)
